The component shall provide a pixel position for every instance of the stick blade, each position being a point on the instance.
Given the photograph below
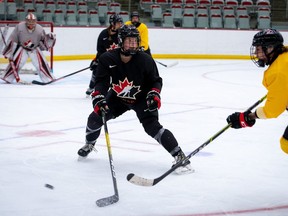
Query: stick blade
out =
(173, 64)
(137, 180)
(38, 83)
(107, 201)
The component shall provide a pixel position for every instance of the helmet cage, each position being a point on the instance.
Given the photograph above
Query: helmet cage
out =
(268, 38)
(30, 21)
(258, 62)
(128, 31)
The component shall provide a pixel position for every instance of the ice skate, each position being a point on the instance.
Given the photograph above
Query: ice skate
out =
(89, 92)
(85, 150)
(185, 168)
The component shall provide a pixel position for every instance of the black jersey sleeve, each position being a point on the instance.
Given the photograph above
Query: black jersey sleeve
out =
(101, 42)
(153, 79)
(102, 79)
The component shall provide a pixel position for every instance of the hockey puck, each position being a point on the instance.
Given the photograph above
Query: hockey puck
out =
(49, 186)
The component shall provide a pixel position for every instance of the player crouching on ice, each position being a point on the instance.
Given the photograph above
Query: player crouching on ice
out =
(128, 79)
(28, 39)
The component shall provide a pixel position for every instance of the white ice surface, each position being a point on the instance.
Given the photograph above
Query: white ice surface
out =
(242, 172)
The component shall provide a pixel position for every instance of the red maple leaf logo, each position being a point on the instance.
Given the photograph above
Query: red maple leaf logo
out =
(126, 89)
(112, 46)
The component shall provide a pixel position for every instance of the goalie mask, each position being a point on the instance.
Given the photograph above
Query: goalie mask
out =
(266, 46)
(128, 40)
(31, 22)
(115, 21)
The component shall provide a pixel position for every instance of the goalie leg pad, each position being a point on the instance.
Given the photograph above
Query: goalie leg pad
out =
(8, 75)
(40, 63)
(19, 60)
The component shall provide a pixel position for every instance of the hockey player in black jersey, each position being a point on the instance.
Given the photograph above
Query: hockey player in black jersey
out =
(107, 40)
(127, 79)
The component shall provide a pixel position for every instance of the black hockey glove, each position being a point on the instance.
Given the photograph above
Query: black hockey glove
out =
(240, 120)
(153, 100)
(99, 103)
(93, 64)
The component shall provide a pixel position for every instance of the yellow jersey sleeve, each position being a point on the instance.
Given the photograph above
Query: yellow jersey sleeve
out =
(275, 80)
(143, 30)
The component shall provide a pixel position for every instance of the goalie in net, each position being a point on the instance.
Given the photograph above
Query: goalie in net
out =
(27, 40)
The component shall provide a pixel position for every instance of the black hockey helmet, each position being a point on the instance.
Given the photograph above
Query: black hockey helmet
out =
(134, 13)
(128, 31)
(114, 18)
(267, 38)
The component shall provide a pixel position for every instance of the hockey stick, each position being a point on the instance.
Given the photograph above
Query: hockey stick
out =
(137, 180)
(60, 78)
(114, 198)
(10, 61)
(168, 66)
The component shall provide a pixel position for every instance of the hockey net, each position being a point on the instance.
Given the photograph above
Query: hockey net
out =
(6, 29)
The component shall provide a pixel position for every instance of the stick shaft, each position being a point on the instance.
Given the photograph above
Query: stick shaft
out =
(110, 153)
(60, 78)
(114, 198)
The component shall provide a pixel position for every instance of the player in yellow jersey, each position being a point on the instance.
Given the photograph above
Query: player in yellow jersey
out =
(143, 30)
(268, 49)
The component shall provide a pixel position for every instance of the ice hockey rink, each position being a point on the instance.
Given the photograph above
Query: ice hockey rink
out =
(242, 172)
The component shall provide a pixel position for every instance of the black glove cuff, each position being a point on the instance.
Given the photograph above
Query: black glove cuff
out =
(250, 121)
(97, 98)
(153, 93)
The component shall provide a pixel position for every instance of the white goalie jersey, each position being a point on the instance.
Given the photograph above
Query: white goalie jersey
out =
(28, 40)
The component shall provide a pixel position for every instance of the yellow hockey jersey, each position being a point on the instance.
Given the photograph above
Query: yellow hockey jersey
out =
(143, 31)
(275, 80)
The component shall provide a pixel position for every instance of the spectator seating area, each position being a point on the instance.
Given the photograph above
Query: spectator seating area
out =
(228, 14)
(63, 12)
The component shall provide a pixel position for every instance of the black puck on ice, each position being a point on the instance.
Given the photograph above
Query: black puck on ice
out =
(49, 186)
